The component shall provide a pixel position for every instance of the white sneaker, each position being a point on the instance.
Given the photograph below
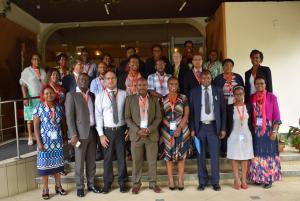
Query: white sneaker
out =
(30, 142)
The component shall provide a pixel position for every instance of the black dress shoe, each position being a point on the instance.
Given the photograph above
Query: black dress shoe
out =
(123, 188)
(105, 190)
(201, 187)
(80, 193)
(216, 187)
(71, 159)
(267, 186)
(94, 189)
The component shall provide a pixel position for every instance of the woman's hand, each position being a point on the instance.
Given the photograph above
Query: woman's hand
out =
(273, 135)
(41, 147)
(177, 132)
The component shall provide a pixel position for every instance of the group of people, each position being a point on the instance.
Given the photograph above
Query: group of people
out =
(157, 110)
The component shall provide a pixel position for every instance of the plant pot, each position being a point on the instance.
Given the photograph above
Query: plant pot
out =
(281, 147)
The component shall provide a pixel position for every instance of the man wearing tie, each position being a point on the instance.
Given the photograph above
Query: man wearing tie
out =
(111, 127)
(80, 118)
(207, 122)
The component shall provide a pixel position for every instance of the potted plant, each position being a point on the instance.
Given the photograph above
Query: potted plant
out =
(294, 135)
(282, 141)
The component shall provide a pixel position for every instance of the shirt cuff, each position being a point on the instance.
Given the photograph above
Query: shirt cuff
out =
(100, 131)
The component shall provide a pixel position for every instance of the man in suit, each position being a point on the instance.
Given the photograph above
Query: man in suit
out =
(69, 82)
(80, 117)
(149, 67)
(111, 127)
(192, 78)
(143, 122)
(207, 122)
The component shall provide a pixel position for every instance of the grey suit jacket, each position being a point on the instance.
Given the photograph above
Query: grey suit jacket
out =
(132, 117)
(78, 115)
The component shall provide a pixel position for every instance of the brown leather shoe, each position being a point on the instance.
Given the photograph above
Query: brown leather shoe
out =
(135, 190)
(155, 188)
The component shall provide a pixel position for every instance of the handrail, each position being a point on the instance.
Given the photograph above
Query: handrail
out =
(16, 120)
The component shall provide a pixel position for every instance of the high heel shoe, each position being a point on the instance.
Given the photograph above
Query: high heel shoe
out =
(180, 186)
(45, 194)
(237, 186)
(60, 190)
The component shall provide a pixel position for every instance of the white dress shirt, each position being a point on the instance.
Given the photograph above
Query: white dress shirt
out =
(211, 115)
(252, 85)
(104, 111)
(90, 106)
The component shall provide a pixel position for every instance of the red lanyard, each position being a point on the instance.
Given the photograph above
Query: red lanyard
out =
(143, 102)
(37, 73)
(172, 102)
(85, 97)
(109, 96)
(241, 115)
(161, 79)
(101, 84)
(229, 82)
(197, 77)
(52, 114)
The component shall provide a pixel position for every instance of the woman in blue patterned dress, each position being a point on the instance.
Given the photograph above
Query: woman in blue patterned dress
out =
(49, 122)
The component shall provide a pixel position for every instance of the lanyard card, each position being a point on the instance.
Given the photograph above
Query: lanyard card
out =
(259, 121)
(230, 100)
(144, 124)
(53, 135)
(173, 125)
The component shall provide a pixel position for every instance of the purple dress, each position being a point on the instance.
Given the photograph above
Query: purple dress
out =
(265, 167)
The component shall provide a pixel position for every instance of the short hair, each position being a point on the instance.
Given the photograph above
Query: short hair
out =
(49, 73)
(260, 78)
(206, 72)
(198, 54)
(106, 55)
(188, 41)
(227, 60)
(142, 79)
(130, 48)
(158, 46)
(101, 62)
(160, 59)
(83, 74)
(43, 88)
(76, 61)
(134, 56)
(35, 54)
(255, 51)
(110, 71)
(62, 55)
(238, 87)
(84, 50)
(172, 78)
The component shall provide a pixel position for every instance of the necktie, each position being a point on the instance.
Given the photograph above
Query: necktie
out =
(114, 107)
(207, 103)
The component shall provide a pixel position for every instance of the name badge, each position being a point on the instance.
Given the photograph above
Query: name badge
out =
(259, 121)
(230, 99)
(53, 135)
(242, 138)
(144, 124)
(173, 125)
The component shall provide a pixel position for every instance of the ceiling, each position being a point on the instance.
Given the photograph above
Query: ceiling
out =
(56, 11)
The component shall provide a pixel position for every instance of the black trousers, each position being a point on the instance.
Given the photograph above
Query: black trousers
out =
(116, 146)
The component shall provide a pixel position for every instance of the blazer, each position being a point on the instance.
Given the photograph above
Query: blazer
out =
(121, 80)
(196, 105)
(78, 115)
(132, 117)
(261, 71)
(219, 81)
(182, 70)
(229, 119)
(69, 83)
(190, 82)
(149, 67)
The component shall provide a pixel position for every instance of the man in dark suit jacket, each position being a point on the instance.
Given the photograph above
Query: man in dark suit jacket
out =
(149, 67)
(143, 125)
(208, 123)
(192, 77)
(80, 117)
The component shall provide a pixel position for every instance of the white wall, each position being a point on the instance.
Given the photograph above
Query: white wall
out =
(273, 28)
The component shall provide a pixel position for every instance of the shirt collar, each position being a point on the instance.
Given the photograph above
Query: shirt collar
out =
(157, 73)
(76, 74)
(109, 90)
(203, 88)
(78, 90)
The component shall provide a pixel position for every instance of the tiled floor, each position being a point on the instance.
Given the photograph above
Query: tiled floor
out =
(284, 190)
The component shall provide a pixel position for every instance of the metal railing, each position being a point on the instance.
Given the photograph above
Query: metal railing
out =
(16, 126)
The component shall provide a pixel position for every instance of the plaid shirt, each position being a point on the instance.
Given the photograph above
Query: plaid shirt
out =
(154, 84)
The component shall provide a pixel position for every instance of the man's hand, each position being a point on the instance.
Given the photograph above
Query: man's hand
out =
(126, 135)
(104, 141)
(74, 140)
(143, 132)
(26, 102)
(222, 135)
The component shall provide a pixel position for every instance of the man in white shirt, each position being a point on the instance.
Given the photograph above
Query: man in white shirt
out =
(111, 127)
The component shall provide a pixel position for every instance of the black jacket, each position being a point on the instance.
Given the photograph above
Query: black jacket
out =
(182, 70)
(219, 81)
(149, 67)
(190, 82)
(262, 71)
(229, 119)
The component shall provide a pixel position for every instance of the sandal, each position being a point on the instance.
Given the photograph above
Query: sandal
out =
(60, 190)
(45, 194)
